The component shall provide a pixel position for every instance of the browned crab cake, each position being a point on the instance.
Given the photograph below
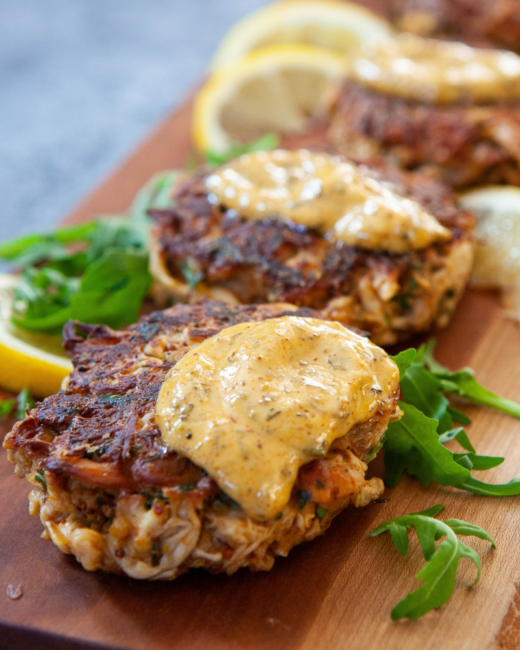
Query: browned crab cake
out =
(441, 108)
(121, 475)
(473, 21)
(383, 284)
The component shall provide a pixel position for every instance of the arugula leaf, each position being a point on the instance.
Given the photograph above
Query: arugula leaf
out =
(460, 436)
(157, 193)
(17, 406)
(412, 444)
(267, 142)
(112, 289)
(462, 382)
(458, 416)
(416, 444)
(510, 489)
(6, 406)
(117, 232)
(442, 562)
(404, 360)
(422, 389)
(477, 463)
(41, 300)
(29, 249)
(106, 282)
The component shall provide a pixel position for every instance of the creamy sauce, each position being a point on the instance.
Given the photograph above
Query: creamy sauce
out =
(326, 193)
(254, 403)
(434, 71)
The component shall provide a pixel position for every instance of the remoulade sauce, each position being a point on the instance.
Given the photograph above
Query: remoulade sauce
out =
(326, 193)
(255, 402)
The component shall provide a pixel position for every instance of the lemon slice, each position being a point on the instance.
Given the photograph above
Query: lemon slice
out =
(35, 361)
(278, 89)
(497, 258)
(330, 24)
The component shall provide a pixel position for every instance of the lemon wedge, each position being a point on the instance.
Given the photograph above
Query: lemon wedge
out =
(330, 24)
(497, 258)
(35, 361)
(279, 88)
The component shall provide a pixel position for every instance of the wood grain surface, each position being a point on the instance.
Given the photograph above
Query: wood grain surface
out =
(334, 592)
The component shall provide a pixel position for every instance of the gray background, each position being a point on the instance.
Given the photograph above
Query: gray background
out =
(81, 83)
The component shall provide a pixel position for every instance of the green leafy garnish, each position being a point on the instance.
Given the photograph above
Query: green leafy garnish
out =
(17, 406)
(412, 444)
(416, 442)
(463, 383)
(156, 194)
(104, 278)
(7, 406)
(30, 249)
(24, 402)
(442, 561)
(510, 489)
(460, 436)
(109, 287)
(267, 142)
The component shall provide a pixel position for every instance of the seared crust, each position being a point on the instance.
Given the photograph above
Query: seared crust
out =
(109, 491)
(100, 428)
(272, 260)
(478, 22)
(460, 145)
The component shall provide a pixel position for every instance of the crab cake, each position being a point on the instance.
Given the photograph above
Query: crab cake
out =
(474, 21)
(382, 250)
(445, 109)
(206, 435)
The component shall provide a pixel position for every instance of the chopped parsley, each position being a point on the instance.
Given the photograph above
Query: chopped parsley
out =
(303, 499)
(320, 513)
(41, 481)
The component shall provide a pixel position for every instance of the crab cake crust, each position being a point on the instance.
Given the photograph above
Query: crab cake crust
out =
(458, 144)
(109, 491)
(477, 22)
(390, 296)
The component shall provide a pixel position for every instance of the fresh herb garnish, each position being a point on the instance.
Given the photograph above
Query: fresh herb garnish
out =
(17, 406)
(267, 142)
(7, 406)
(416, 442)
(463, 383)
(442, 562)
(412, 444)
(106, 283)
(156, 194)
(104, 278)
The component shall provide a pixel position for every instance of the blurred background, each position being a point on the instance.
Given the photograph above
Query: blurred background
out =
(82, 82)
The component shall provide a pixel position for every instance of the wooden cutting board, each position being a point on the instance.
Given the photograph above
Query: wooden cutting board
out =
(334, 592)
